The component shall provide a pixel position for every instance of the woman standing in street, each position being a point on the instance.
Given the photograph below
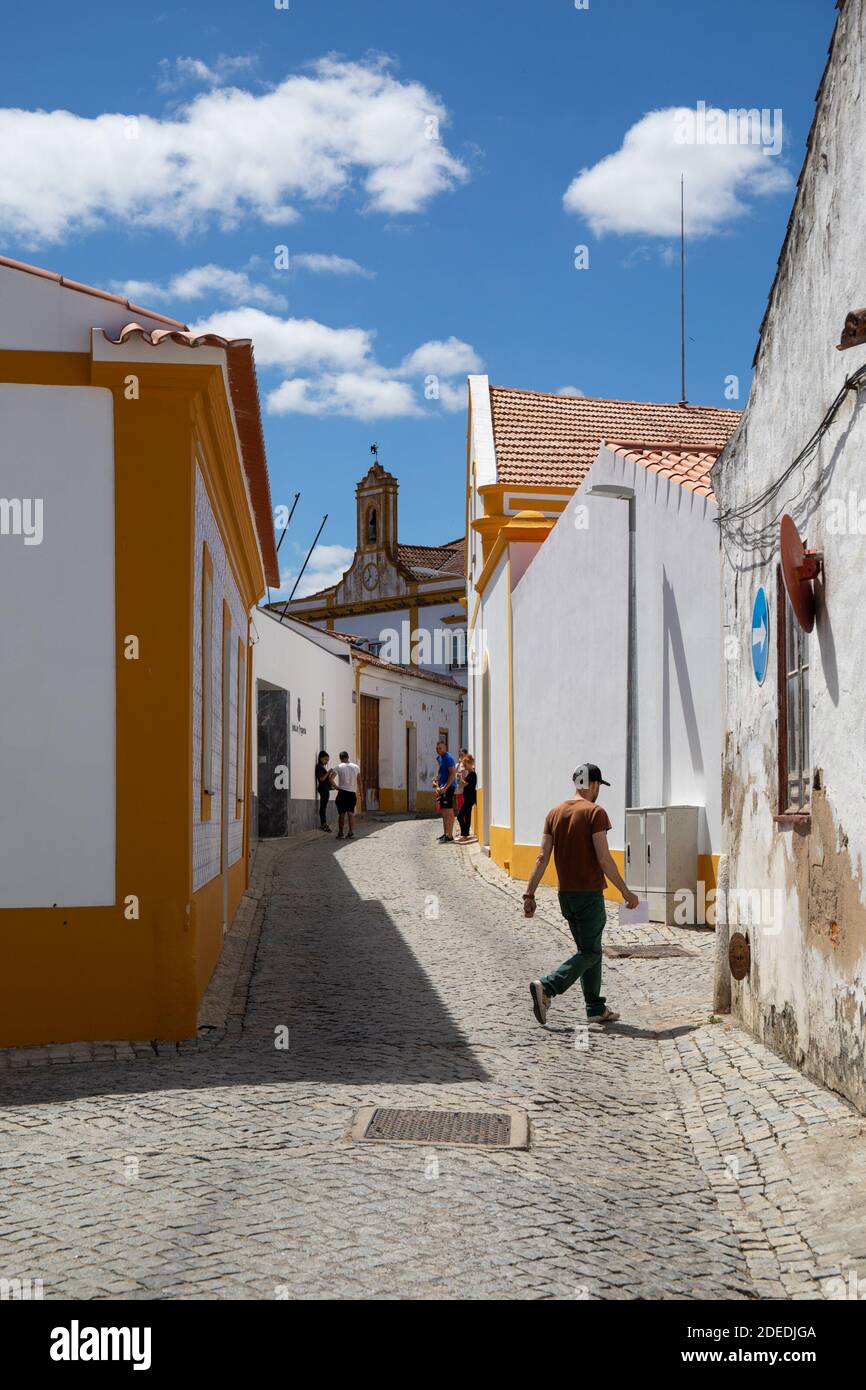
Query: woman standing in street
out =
(324, 782)
(470, 788)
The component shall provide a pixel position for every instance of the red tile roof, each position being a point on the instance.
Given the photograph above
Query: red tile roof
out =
(445, 559)
(553, 440)
(368, 659)
(681, 463)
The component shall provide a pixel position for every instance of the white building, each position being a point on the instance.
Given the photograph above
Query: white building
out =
(316, 690)
(402, 714)
(304, 702)
(553, 635)
(794, 801)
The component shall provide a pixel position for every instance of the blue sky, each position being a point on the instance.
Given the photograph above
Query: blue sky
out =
(416, 161)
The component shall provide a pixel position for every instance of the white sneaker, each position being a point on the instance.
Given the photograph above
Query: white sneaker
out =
(541, 1002)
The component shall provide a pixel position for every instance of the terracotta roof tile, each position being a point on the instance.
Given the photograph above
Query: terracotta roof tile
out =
(682, 463)
(445, 559)
(553, 440)
(364, 656)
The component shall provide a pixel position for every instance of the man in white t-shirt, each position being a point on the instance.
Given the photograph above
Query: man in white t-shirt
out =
(348, 786)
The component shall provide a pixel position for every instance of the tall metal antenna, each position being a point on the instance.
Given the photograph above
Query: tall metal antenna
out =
(304, 566)
(283, 536)
(683, 400)
(288, 523)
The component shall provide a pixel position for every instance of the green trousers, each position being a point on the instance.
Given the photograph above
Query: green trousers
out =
(586, 916)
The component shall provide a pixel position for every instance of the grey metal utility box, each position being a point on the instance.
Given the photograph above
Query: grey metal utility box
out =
(661, 855)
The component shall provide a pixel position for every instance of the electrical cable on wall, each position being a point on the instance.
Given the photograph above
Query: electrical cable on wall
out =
(733, 521)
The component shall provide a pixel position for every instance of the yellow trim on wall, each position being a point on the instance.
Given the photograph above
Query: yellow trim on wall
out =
(708, 870)
(526, 526)
(523, 859)
(510, 677)
(413, 628)
(392, 799)
(501, 847)
(75, 974)
(542, 504)
(206, 676)
(240, 728)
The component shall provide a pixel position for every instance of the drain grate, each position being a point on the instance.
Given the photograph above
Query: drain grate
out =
(503, 1129)
(659, 952)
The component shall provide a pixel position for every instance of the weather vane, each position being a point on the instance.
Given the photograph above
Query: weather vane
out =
(374, 450)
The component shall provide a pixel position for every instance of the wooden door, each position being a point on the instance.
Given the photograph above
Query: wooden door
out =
(370, 748)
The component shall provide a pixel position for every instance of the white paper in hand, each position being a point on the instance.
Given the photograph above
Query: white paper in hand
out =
(633, 916)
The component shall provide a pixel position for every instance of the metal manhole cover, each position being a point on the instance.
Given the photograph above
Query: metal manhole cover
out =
(659, 952)
(503, 1129)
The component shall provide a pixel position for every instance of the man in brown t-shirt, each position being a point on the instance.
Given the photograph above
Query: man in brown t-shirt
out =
(575, 833)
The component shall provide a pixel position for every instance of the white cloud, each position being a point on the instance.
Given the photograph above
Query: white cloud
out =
(328, 564)
(334, 371)
(361, 395)
(292, 343)
(570, 391)
(319, 264)
(179, 71)
(228, 154)
(453, 398)
(636, 190)
(234, 285)
(449, 358)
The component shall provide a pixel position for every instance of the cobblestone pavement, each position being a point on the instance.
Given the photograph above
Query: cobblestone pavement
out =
(671, 1156)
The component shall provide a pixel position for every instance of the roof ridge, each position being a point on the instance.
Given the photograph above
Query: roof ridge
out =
(613, 400)
(669, 446)
(11, 264)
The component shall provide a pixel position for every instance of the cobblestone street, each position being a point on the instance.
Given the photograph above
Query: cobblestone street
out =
(671, 1156)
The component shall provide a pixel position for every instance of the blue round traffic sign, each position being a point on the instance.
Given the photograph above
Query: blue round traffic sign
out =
(760, 636)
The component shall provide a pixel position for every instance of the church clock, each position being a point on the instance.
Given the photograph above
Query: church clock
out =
(371, 575)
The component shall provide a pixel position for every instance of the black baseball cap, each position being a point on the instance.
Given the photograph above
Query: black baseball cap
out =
(586, 773)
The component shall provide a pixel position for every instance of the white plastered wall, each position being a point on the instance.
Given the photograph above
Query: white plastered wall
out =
(309, 665)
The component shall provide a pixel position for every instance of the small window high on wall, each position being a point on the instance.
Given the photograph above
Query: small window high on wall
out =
(207, 783)
(795, 772)
(372, 527)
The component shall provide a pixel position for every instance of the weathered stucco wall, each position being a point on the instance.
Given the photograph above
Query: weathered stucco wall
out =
(805, 993)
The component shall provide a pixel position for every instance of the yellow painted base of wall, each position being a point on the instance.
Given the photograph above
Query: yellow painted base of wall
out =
(519, 860)
(501, 848)
(89, 974)
(708, 868)
(207, 920)
(392, 799)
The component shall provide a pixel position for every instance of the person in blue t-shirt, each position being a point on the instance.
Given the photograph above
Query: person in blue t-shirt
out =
(445, 783)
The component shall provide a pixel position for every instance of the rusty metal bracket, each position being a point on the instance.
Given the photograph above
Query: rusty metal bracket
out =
(739, 955)
(854, 331)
